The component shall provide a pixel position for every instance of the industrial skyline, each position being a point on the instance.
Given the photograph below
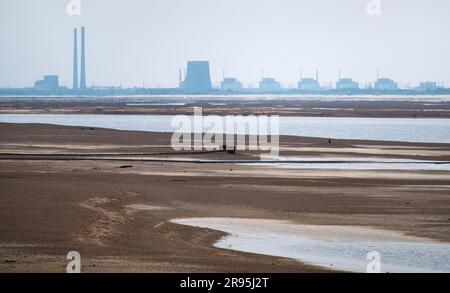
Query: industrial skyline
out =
(197, 79)
(146, 42)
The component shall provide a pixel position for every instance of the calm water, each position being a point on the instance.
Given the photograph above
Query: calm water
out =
(335, 247)
(361, 163)
(389, 129)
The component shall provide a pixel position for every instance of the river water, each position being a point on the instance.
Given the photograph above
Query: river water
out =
(387, 129)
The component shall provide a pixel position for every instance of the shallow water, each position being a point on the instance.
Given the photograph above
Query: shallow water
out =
(156, 104)
(336, 247)
(359, 163)
(388, 129)
(430, 99)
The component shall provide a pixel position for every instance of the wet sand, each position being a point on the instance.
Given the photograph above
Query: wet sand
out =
(117, 215)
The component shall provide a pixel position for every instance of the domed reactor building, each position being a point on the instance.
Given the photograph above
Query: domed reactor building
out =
(197, 79)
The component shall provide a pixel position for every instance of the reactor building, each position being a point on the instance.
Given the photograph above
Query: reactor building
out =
(48, 83)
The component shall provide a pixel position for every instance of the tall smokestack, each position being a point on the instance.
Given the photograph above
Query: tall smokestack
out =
(83, 65)
(75, 60)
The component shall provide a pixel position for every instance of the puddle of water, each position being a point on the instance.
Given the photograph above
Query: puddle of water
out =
(337, 247)
(217, 104)
(360, 163)
(133, 208)
(156, 104)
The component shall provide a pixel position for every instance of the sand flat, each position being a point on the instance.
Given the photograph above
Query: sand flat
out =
(52, 206)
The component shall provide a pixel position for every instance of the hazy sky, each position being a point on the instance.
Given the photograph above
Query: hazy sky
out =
(147, 41)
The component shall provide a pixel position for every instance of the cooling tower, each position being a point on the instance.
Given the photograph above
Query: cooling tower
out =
(197, 78)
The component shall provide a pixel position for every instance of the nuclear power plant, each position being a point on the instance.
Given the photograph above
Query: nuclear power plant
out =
(196, 79)
(82, 84)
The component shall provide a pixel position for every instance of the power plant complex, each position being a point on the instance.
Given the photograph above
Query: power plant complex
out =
(197, 80)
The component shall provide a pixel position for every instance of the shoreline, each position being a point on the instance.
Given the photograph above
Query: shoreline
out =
(117, 216)
(307, 106)
(314, 244)
(223, 114)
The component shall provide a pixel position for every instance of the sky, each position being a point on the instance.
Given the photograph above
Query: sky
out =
(146, 42)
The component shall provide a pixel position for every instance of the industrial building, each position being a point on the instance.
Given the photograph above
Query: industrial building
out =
(198, 79)
(48, 83)
(346, 84)
(269, 84)
(309, 84)
(230, 84)
(386, 84)
(427, 86)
